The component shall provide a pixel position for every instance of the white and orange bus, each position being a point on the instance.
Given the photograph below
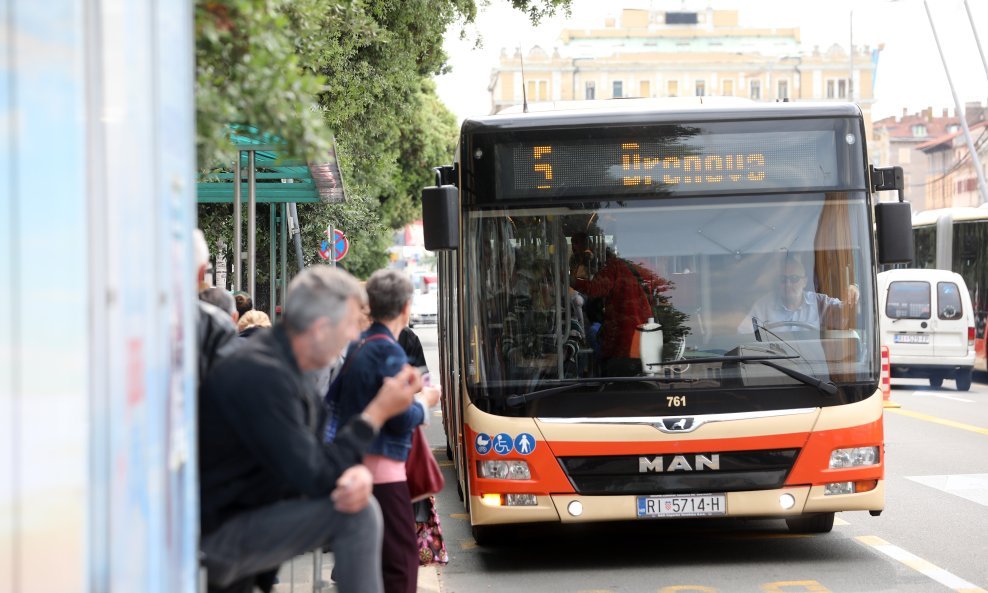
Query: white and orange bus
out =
(956, 239)
(562, 231)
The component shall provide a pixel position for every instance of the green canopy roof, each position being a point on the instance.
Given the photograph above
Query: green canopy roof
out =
(278, 179)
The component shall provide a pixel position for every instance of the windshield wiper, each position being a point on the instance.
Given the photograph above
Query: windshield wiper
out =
(522, 398)
(827, 387)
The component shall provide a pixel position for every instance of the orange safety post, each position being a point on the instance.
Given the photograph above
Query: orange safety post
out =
(886, 380)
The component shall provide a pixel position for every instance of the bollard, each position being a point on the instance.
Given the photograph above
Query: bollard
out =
(886, 380)
(317, 570)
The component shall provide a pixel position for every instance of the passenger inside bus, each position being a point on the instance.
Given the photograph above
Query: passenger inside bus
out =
(630, 294)
(529, 340)
(791, 307)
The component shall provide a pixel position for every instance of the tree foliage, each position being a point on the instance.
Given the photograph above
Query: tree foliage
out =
(357, 70)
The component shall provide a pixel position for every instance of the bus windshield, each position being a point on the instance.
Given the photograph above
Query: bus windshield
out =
(685, 294)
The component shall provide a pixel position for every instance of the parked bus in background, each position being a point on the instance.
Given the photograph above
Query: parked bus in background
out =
(610, 350)
(956, 239)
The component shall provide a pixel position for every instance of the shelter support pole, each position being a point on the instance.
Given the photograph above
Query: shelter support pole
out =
(238, 254)
(251, 225)
(297, 235)
(272, 260)
(283, 277)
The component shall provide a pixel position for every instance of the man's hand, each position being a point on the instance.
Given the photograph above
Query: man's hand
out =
(853, 295)
(353, 490)
(394, 397)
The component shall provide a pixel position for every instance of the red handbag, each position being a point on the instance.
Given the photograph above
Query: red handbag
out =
(424, 477)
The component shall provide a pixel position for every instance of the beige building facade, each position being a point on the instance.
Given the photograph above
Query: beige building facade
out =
(649, 53)
(952, 180)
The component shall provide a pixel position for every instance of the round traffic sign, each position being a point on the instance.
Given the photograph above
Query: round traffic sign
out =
(341, 244)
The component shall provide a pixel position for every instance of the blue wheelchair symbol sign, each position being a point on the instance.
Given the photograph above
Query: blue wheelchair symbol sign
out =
(524, 443)
(482, 443)
(502, 444)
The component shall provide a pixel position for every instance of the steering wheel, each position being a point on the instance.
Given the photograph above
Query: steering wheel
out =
(799, 324)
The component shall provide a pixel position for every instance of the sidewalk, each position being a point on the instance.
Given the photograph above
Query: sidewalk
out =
(296, 576)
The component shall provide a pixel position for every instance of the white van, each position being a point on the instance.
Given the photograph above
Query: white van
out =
(927, 322)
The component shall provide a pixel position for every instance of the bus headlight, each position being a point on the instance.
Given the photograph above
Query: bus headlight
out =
(503, 470)
(854, 457)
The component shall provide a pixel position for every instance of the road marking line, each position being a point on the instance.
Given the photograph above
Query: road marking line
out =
(459, 516)
(951, 397)
(921, 566)
(936, 420)
(973, 487)
(840, 522)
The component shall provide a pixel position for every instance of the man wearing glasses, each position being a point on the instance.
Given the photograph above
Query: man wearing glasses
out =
(791, 307)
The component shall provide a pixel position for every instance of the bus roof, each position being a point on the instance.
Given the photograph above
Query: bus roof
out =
(671, 109)
(930, 217)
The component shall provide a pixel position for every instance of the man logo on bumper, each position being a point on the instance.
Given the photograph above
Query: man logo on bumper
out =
(679, 463)
(682, 424)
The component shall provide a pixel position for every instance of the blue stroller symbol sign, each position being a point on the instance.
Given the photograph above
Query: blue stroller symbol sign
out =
(482, 443)
(502, 444)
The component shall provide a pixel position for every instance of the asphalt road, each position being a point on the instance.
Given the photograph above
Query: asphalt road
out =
(932, 537)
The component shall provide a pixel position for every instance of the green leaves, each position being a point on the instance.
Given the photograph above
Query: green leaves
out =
(305, 70)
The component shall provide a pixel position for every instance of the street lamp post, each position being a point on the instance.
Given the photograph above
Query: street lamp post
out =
(850, 79)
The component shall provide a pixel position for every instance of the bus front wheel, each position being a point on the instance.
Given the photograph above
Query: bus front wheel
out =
(822, 523)
(488, 535)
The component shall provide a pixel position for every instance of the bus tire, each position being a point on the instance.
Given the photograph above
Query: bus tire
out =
(963, 379)
(488, 535)
(449, 451)
(936, 381)
(821, 523)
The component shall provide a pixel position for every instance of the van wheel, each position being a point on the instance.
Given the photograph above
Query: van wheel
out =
(963, 379)
(822, 523)
(936, 381)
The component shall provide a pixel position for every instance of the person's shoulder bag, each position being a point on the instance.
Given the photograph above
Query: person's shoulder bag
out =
(422, 471)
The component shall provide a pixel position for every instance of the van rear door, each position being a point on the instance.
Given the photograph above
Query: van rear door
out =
(950, 321)
(908, 307)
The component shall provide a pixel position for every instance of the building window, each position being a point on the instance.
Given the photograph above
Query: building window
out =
(728, 88)
(590, 90)
(644, 88)
(919, 131)
(701, 88)
(783, 89)
(842, 89)
(830, 89)
(617, 88)
(756, 89)
(672, 88)
(538, 90)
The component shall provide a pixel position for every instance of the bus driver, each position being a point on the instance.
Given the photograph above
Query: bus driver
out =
(791, 302)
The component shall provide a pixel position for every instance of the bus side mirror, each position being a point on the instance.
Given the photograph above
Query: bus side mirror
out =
(441, 217)
(893, 221)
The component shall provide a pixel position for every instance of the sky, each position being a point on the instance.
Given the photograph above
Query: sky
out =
(910, 72)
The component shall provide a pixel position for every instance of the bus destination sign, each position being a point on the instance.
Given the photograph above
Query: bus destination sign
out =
(700, 163)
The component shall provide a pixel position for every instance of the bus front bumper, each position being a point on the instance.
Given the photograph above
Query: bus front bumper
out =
(762, 503)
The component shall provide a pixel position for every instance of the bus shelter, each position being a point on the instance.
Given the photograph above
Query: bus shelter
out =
(267, 176)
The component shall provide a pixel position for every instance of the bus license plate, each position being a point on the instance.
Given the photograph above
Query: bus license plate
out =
(912, 338)
(682, 505)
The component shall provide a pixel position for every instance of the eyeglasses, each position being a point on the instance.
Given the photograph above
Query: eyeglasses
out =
(791, 278)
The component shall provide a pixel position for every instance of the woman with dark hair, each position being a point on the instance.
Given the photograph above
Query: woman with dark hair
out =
(370, 360)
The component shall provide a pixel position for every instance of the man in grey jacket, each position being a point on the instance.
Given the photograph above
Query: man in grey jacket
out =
(270, 488)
